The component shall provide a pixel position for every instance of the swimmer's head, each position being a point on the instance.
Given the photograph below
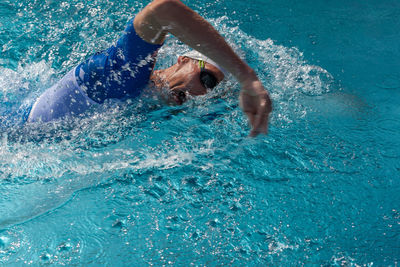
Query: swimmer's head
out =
(192, 75)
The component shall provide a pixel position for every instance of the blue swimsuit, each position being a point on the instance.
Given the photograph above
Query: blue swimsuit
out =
(121, 71)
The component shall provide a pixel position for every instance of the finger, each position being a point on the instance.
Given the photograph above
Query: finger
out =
(252, 118)
(262, 123)
(261, 118)
(261, 126)
(254, 133)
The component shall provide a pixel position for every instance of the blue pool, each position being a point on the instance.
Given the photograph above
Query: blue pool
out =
(139, 183)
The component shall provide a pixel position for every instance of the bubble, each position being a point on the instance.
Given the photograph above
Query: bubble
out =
(4, 242)
(45, 257)
(64, 247)
(119, 223)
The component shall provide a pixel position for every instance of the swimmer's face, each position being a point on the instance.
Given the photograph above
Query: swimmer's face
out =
(186, 79)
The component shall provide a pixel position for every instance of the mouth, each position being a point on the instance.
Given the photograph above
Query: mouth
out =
(178, 96)
(177, 101)
(173, 94)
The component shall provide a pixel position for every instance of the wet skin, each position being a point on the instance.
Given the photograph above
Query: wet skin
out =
(183, 80)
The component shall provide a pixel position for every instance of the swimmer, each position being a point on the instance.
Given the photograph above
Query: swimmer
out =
(125, 68)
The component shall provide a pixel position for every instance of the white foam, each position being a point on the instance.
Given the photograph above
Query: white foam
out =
(24, 80)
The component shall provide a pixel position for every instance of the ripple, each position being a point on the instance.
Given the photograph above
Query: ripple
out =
(141, 182)
(390, 82)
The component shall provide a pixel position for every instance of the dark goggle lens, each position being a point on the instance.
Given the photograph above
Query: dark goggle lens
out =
(208, 80)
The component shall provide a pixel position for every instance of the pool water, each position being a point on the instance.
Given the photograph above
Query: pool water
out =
(139, 183)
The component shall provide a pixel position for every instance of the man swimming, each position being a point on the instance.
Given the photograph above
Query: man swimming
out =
(124, 69)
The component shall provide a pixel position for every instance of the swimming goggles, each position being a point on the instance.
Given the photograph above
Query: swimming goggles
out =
(207, 79)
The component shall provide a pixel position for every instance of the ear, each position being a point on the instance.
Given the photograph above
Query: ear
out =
(182, 59)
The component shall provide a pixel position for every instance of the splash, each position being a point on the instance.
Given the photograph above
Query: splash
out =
(42, 167)
(71, 149)
(19, 89)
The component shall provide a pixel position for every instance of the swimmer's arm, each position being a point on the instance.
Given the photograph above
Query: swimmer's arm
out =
(171, 16)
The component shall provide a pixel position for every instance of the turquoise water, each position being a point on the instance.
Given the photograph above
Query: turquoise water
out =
(140, 183)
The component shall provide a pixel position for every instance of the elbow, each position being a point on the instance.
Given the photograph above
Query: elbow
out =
(167, 8)
(167, 3)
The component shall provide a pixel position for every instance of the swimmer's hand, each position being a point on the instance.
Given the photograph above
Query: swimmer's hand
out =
(256, 103)
(172, 16)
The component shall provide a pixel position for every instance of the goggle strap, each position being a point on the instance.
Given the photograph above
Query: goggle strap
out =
(202, 64)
